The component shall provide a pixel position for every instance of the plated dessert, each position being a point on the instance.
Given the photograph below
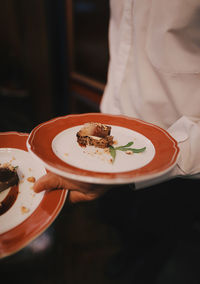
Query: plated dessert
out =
(99, 135)
(23, 214)
(104, 149)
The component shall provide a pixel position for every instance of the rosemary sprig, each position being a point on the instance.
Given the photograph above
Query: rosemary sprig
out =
(124, 148)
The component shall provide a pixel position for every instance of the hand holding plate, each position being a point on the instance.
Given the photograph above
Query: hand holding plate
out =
(79, 191)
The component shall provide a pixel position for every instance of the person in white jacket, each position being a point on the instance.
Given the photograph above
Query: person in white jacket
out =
(154, 75)
(154, 71)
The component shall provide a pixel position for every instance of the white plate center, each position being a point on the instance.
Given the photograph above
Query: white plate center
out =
(65, 146)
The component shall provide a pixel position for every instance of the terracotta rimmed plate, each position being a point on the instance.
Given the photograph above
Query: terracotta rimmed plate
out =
(54, 143)
(24, 215)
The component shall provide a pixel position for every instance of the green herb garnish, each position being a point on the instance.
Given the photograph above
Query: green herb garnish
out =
(124, 148)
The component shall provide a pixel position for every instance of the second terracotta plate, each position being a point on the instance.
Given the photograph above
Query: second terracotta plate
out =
(24, 215)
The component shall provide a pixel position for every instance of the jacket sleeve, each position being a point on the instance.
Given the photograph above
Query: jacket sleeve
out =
(186, 131)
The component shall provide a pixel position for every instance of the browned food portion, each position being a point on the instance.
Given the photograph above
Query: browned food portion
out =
(101, 130)
(8, 177)
(95, 134)
(92, 141)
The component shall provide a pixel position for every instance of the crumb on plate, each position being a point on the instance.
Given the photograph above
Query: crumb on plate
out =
(31, 179)
(129, 152)
(24, 209)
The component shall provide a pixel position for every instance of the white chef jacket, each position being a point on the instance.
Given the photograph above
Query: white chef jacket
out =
(154, 70)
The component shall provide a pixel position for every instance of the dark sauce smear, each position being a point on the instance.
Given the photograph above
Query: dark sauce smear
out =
(8, 178)
(9, 200)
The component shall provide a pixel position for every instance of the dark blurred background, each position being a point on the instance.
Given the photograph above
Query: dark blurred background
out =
(53, 59)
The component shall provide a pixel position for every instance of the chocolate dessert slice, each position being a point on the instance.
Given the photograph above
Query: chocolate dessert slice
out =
(95, 134)
(8, 176)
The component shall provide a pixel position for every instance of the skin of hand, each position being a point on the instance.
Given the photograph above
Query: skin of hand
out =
(78, 191)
